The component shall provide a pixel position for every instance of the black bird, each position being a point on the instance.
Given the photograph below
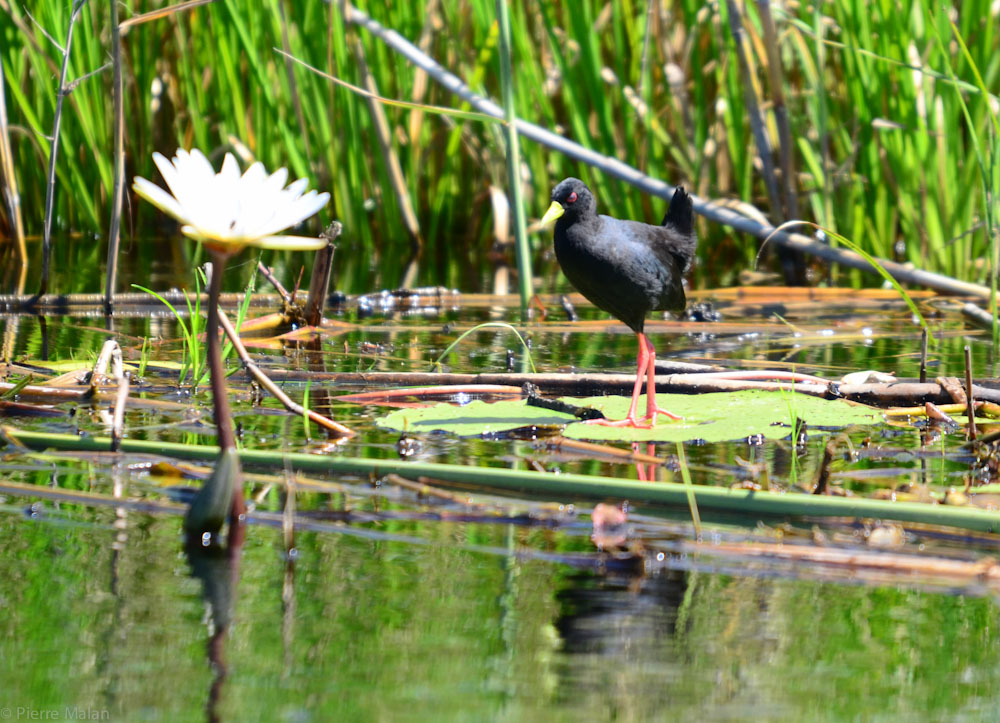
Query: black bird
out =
(626, 268)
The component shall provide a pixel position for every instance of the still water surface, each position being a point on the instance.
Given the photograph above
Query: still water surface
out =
(409, 614)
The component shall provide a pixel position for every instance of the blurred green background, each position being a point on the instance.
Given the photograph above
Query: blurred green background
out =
(884, 151)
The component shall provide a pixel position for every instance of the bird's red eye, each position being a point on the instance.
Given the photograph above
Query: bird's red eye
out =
(571, 198)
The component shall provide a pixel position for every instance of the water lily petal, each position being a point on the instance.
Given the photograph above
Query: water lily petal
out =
(227, 210)
(199, 165)
(158, 197)
(193, 172)
(224, 198)
(276, 181)
(169, 173)
(230, 172)
(196, 234)
(253, 176)
(296, 188)
(295, 213)
(179, 180)
(289, 243)
(260, 200)
(190, 178)
(251, 186)
(193, 233)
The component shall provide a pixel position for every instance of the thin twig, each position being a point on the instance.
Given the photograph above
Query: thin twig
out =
(424, 489)
(319, 279)
(590, 449)
(924, 337)
(118, 149)
(970, 408)
(72, 85)
(41, 28)
(50, 188)
(457, 113)
(278, 286)
(271, 387)
(118, 419)
(425, 394)
(111, 356)
(161, 13)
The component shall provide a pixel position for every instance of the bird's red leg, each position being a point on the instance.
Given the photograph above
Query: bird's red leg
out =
(647, 366)
(642, 368)
(651, 409)
(642, 365)
(646, 473)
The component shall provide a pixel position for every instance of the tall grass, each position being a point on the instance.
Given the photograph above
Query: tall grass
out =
(885, 153)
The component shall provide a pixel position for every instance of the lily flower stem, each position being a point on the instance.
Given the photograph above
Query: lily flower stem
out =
(220, 396)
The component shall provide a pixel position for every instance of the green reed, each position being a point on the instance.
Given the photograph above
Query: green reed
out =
(884, 152)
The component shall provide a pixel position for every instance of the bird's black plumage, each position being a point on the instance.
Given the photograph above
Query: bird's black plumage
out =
(626, 268)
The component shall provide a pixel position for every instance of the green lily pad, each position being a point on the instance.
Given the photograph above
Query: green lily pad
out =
(712, 417)
(473, 419)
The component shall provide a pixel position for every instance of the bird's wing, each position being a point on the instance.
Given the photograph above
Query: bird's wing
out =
(656, 257)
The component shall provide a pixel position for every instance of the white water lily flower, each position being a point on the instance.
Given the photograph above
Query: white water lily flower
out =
(227, 211)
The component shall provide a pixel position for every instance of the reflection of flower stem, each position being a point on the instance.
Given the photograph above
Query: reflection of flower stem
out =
(218, 570)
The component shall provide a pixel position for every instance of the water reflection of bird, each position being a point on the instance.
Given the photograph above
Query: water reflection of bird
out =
(626, 268)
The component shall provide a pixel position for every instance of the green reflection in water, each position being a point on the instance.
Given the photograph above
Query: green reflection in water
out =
(100, 617)
(374, 629)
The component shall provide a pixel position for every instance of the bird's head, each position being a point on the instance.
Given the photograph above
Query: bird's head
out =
(571, 200)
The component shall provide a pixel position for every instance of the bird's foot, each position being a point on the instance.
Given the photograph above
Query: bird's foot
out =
(646, 422)
(629, 421)
(651, 414)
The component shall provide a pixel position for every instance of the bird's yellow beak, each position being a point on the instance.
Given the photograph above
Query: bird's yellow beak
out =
(555, 211)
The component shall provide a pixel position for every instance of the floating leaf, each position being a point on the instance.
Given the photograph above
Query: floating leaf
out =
(711, 417)
(472, 419)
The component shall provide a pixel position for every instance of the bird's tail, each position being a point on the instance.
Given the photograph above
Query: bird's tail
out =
(680, 220)
(680, 215)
